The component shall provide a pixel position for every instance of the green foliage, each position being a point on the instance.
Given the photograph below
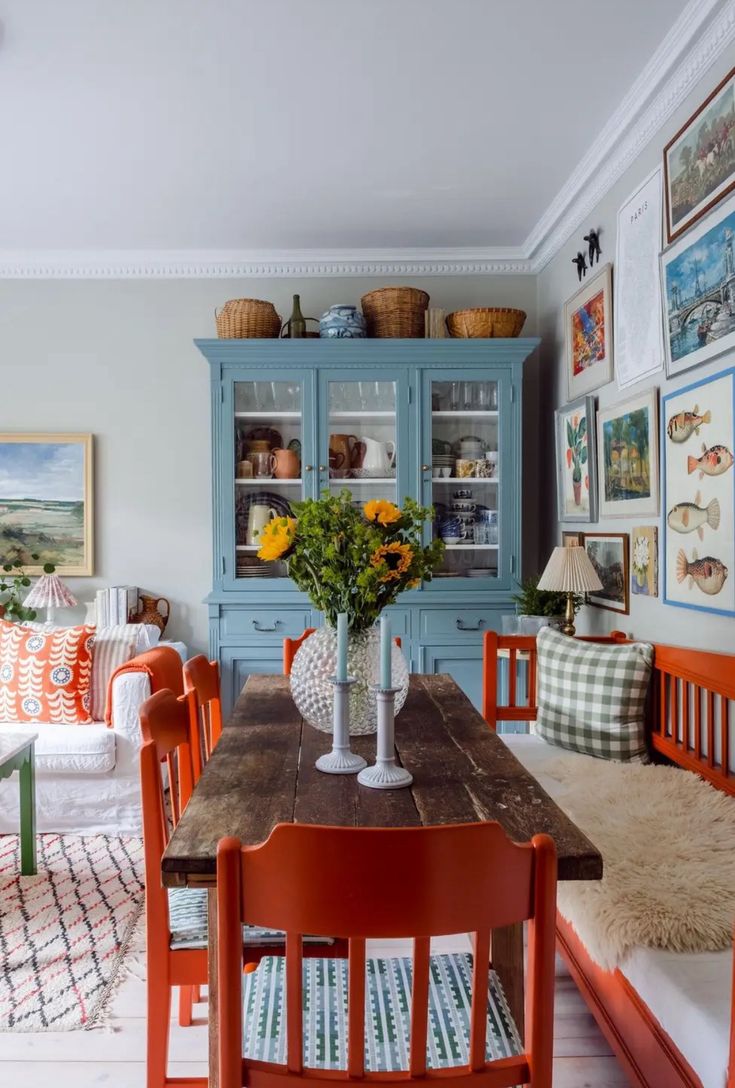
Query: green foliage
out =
(532, 601)
(577, 447)
(14, 586)
(335, 560)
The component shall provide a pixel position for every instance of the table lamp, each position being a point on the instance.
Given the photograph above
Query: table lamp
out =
(569, 571)
(50, 592)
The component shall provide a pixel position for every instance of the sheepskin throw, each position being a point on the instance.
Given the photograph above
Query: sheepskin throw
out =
(591, 698)
(666, 839)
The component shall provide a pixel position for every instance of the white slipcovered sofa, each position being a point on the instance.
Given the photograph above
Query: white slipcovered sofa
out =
(87, 776)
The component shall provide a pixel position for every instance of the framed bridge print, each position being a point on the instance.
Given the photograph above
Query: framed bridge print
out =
(698, 289)
(46, 502)
(698, 436)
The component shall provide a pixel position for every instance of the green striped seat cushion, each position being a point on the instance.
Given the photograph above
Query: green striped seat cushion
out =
(187, 913)
(591, 697)
(387, 1013)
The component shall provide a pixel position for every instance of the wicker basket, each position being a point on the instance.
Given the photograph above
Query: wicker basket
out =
(486, 321)
(244, 318)
(395, 311)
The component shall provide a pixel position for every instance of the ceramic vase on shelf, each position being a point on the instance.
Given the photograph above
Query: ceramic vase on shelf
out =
(342, 321)
(150, 611)
(316, 661)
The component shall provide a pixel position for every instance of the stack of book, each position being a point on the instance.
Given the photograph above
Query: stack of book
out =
(116, 605)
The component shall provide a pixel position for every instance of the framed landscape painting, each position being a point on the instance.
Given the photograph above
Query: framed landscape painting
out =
(588, 334)
(608, 553)
(698, 436)
(46, 501)
(698, 290)
(627, 438)
(699, 162)
(576, 456)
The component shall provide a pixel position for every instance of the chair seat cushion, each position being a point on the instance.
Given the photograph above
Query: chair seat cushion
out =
(70, 749)
(387, 1013)
(187, 912)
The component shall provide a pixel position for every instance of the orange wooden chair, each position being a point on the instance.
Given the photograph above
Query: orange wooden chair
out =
(384, 883)
(176, 953)
(291, 645)
(514, 645)
(202, 692)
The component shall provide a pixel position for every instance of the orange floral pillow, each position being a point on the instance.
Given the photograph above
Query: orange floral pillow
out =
(45, 676)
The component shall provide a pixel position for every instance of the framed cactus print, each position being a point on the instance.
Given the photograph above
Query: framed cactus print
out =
(576, 461)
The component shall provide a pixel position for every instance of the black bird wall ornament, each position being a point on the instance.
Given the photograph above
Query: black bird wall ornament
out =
(581, 264)
(593, 244)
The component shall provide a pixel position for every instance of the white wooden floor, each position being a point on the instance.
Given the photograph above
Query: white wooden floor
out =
(115, 1058)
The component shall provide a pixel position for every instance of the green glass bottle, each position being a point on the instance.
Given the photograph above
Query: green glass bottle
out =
(296, 322)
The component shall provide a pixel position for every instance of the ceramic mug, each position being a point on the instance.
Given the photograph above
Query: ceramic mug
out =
(244, 470)
(285, 464)
(345, 445)
(258, 517)
(464, 468)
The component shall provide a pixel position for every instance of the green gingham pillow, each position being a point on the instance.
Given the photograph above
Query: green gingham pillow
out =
(591, 697)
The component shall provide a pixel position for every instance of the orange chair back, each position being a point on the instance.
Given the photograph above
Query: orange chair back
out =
(519, 648)
(202, 691)
(164, 721)
(291, 645)
(391, 883)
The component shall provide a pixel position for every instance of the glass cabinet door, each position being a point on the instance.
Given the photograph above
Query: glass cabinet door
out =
(267, 452)
(361, 437)
(462, 473)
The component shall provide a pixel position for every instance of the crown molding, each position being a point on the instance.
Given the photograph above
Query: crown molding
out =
(703, 31)
(270, 264)
(701, 34)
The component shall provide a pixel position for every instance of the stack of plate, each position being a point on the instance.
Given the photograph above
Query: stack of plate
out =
(442, 460)
(477, 572)
(254, 570)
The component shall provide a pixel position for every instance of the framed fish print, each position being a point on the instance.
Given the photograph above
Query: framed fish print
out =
(644, 561)
(699, 162)
(627, 440)
(698, 291)
(698, 438)
(588, 334)
(608, 553)
(576, 461)
(46, 501)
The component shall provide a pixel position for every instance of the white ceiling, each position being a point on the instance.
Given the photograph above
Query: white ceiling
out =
(298, 124)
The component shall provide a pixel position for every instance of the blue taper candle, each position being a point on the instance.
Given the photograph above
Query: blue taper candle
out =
(342, 646)
(386, 672)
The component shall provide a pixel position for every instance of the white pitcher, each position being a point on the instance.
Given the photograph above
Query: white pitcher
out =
(258, 517)
(376, 458)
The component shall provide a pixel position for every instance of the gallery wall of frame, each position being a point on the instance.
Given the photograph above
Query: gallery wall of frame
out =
(661, 449)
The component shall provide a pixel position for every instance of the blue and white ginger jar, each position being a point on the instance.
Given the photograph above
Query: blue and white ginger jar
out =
(343, 321)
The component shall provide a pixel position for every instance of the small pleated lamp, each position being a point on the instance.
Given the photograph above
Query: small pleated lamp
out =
(569, 571)
(50, 593)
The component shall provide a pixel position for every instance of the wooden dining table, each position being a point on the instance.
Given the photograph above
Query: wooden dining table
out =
(262, 773)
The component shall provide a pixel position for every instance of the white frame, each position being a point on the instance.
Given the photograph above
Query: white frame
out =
(630, 508)
(587, 406)
(602, 372)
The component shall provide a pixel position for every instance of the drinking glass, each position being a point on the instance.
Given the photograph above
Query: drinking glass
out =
(468, 396)
(454, 396)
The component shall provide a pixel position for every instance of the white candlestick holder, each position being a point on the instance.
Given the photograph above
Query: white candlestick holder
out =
(385, 774)
(341, 760)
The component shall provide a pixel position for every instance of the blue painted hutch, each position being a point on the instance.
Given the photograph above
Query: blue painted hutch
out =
(387, 419)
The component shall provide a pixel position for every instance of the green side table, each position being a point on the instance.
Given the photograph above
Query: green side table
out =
(17, 754)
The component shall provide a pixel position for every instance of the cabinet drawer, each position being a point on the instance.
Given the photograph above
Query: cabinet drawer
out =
(400, 622)
(460, 621)
(273, 622)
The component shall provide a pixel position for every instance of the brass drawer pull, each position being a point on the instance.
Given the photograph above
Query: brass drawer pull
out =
(462, 626)
(264, 630)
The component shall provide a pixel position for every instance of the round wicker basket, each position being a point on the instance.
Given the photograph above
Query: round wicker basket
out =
(486, 321)
(395, 311)
(245, 318)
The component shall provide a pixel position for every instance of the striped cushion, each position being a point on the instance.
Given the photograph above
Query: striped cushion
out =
(113, 646)
(387, 1013)
(591, 697)
(187, 915)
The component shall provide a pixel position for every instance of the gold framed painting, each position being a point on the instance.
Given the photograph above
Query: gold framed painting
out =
(46, 502)
(588, 335)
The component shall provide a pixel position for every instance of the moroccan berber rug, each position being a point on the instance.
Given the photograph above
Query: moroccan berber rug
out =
(64, 933)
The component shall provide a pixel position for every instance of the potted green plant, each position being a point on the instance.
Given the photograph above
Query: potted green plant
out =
(14, 586)
(576, 453)
(537, 608)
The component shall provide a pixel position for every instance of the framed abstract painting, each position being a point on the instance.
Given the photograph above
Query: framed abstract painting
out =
(608, 553)
(698, 436)
(576, 461)
(588, 334)
(46, 501)
(699, 162)
(627, 438)
(698, 291)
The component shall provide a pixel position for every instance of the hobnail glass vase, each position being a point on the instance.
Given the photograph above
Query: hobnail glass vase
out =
(316, 661)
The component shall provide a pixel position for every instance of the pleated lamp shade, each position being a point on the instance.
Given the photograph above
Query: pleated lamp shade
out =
(50, 592)
(570, 570)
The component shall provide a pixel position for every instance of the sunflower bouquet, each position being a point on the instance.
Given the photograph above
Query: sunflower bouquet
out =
(353, 558)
